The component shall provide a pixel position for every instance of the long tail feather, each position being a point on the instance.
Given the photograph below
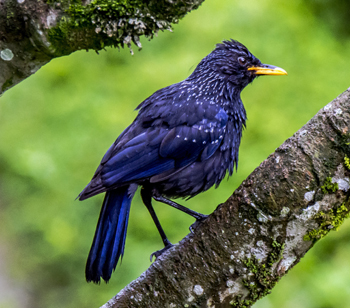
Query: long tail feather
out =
(109, 241)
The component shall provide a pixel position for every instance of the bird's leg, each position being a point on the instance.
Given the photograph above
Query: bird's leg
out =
(198, 216)
(147, 200)
(184, 209)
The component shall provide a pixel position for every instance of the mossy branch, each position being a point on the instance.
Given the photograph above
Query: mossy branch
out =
(114, 23)
(236, 256)
(34, 32)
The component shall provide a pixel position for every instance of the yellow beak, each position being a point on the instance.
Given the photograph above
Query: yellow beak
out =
(266, 69)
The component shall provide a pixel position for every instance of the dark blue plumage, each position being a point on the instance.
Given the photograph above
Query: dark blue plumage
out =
(109, 240)
(184, 140)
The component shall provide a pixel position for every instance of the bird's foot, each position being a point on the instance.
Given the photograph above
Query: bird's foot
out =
(157, 253)
(198, 222)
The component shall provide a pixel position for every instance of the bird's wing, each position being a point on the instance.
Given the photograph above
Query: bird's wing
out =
(137, 159)
(160, 141)
(157, 149)
(197, 142)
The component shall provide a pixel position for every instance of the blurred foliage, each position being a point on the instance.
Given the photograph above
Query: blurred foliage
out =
(334, 13)
(56, 126)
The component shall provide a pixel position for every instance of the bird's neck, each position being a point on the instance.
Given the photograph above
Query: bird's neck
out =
(234, 106)
(213, 87)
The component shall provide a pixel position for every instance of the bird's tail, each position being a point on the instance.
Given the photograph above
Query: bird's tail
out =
(109, 241)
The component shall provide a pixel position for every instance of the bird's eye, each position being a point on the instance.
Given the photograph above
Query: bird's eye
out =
(242, 60)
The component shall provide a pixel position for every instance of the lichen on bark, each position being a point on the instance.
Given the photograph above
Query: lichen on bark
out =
(328, 221)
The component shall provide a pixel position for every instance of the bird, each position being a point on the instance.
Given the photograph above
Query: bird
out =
(184, 140)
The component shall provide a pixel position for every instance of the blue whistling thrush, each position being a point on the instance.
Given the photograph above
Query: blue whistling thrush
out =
(184, 140)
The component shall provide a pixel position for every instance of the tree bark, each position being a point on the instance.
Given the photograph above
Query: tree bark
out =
(32, 32)
(237, 255)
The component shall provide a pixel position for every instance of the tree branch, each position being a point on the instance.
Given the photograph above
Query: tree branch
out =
(33, 32)
(235, 257)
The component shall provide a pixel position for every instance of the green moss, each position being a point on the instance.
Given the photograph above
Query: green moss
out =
(242, 303)
(261, 283)
(347, 162)
(114, 23)
(276, 253)
(328, 221)
(263, 280)
(10, 10)
(329, 187)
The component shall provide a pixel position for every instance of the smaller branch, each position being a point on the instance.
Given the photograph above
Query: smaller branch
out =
(34, 32)
(237, 255)
(23, 47)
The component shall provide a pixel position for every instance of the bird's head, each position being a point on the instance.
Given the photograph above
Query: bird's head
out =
(232, 61)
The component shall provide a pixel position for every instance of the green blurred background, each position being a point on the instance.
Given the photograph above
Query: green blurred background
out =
(56, 125)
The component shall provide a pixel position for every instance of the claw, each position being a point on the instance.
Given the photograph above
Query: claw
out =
(197, 222)
(157, 253)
